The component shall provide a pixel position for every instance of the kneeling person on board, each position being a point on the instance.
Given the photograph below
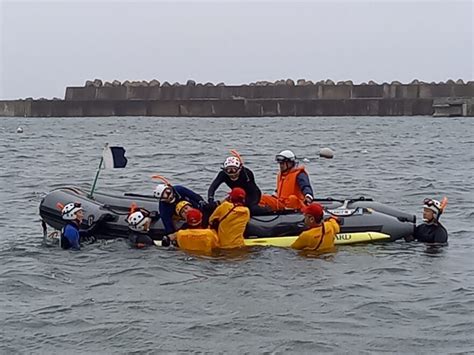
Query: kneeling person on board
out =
(195, 237)
(320, 235)
(431, 231)
(293, 186)
(139, 224)
(169, 197)
(71, 234)
(230, 220)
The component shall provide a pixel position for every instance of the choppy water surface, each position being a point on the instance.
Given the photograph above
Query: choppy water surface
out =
(109, 298)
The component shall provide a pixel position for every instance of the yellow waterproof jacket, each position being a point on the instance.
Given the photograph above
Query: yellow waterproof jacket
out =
(313, 239)
(202, 240)
(232, 220)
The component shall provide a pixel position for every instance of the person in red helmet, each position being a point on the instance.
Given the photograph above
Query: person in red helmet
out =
(195, 237)
(230, 219)
(320, 235)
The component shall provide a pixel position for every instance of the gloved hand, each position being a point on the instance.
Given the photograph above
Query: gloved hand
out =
(308, 199)
(165, 241)
(202, 205)
(211, 205)
(154, 215)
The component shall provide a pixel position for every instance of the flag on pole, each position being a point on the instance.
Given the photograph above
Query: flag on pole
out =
(114, 157)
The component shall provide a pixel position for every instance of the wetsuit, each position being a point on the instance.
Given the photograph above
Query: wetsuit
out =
(246, 181)
(72, 236)
(139, 240)
(167, 210)
(431, 233)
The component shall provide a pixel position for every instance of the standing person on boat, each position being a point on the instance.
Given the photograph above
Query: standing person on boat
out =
(230, 220)
(72, 235)
(139, 223)
(169, 197)
(235, 174)
(320, 235)
(194, 237)
(293, 189)
(431, 231)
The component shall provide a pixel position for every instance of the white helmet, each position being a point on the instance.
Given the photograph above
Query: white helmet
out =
(137, 220)
(433, 205)
(285, 155)
(232, 162)
(159, 189)
(69, 211)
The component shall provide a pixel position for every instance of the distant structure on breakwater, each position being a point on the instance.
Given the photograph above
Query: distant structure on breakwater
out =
(263, 98)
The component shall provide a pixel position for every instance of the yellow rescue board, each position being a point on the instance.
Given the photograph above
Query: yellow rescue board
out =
(341, 239)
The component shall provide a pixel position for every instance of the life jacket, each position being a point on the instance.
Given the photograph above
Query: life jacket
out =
(287, 184)
(232, 221)
(200, 240)
(320, 238)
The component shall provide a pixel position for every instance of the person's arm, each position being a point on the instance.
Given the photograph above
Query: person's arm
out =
(334, 222)
(219, 179)
(305, 185)
(193, 197)
(166, 212)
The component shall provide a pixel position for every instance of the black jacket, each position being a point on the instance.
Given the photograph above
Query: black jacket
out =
(431, 233)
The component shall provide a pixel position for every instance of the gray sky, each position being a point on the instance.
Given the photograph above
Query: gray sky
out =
(46, 46)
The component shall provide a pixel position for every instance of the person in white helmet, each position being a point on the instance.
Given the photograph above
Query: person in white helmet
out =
(293, 189)
(72, 235)
(169, 196)
(235, 174)
(139, 223)
(431, 231)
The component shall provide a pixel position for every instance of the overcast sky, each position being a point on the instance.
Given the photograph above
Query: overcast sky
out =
(46, 46)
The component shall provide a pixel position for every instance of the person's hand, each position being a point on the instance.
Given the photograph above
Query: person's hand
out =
(308, 199)
(409, 238)
(202, 205)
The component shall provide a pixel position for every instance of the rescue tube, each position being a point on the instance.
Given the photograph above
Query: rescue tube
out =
(357, 215)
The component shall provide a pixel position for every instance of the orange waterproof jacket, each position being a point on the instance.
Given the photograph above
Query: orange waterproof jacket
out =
(287, 184)
(232, 222)
(202, 240)
(313, 239)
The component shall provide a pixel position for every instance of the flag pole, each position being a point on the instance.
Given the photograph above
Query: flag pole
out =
(97, 173)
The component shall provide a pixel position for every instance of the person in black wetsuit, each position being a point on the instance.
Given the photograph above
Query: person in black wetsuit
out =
(431, 231)
(234, 174)
(139, 224)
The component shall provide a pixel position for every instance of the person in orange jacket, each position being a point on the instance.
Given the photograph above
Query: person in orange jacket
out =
(195, 237)
(293, 189)
(230, 219)
(320, 235)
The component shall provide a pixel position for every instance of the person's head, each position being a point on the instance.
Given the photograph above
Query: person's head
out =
(194, 218)
(232, 167)
(182, 208)
(286, 159)
(164, 193)
(237, 196)
(431, 210)
(313, 214)
(139, 221)
(73, 212)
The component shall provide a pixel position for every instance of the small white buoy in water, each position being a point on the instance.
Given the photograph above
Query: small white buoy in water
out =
(326, 153)
(19, 130)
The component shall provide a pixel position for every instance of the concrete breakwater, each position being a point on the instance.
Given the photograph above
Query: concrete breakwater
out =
(283, 98)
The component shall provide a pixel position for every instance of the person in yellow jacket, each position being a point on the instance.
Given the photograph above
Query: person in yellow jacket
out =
(320, 235)
(195, 237)
(230, 219)
(293, 188)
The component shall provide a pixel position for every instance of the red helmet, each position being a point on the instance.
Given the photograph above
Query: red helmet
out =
(237, 195)
(314, 209)
(194, 217)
